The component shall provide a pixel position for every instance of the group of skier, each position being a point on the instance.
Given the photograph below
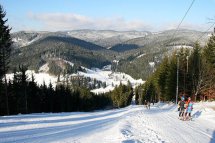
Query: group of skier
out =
(147, 104)
(185, 108)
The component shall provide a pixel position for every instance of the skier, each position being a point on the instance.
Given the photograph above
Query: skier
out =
(189, 109)
(181, 107)
(148, 104)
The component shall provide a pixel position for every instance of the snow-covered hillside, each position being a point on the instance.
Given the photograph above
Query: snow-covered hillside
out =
(23, 42)
(103, 34)
(112, 79)
(133, 124)
(106, 38)
(24, 38)
(40, 78)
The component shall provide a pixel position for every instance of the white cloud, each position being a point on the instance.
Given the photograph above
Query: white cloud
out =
(70, 21)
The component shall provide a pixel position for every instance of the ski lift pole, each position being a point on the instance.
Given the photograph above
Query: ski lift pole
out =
(176, 98)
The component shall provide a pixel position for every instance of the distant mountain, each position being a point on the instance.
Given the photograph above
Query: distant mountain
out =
(104, 38)
(180, 37)
(49, 47)
(24, 38)
(151, 48)
(107, 38)
(95, 48)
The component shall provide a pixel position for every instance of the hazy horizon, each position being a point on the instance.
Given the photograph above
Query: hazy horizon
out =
(120, 15)
(111, 30)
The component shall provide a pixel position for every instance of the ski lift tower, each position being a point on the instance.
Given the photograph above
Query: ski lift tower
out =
(176, 98)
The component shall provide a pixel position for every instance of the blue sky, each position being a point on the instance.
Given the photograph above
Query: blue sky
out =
(149, 15)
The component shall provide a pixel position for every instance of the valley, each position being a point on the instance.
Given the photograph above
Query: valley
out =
(97, 48)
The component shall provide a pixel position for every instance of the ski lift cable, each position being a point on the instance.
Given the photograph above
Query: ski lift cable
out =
(173, 36)
(177, 29)
(213, 24)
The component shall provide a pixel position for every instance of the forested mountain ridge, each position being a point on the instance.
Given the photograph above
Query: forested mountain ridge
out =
(104, 38)
(72, 49)
(135, 54)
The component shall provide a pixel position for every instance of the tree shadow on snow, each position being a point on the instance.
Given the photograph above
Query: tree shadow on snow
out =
(197, 114)
(213, 138)
(131, 141)
(55, 133)
(44, 118)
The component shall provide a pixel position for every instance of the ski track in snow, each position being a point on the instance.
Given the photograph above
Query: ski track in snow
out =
(133, 124)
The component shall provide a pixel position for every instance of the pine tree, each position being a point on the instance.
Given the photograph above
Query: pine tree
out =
(170, 88)
(50, 94)
(196, 69)
(209, 51)
(137, 96)
(161, 79)
(24, 83)
(33, 96)
(5, 50)
(208, 70)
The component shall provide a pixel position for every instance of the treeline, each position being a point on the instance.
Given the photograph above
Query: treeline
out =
(122, 96)
(37, 54)
(25, 96)
(66, 68)
(196, 75)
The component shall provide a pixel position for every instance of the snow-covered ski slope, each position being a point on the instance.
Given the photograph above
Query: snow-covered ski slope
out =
(112, 79)
(127, 125)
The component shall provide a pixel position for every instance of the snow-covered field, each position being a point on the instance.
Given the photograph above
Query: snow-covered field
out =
(112, 79)
(40, 78)
(127, 125)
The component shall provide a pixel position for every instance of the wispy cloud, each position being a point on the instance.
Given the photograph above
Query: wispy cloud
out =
(70, 21)
(185, 25)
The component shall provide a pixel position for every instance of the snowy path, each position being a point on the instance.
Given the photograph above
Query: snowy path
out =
(199, 130)
(132, 124)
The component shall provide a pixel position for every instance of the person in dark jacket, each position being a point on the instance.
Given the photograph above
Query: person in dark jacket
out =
(181, 104)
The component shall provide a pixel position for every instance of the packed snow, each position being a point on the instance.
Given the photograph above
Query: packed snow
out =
(127, 125)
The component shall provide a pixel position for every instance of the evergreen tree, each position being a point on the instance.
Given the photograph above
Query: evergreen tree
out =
(170, 88)
(5, 50)
(208, 68)
(50, 95)
(161, 78)
(33, 96)
(122, 96)
(196, 69)
(104, 85)
(24, 83)
(137, 95)
(209, 51)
